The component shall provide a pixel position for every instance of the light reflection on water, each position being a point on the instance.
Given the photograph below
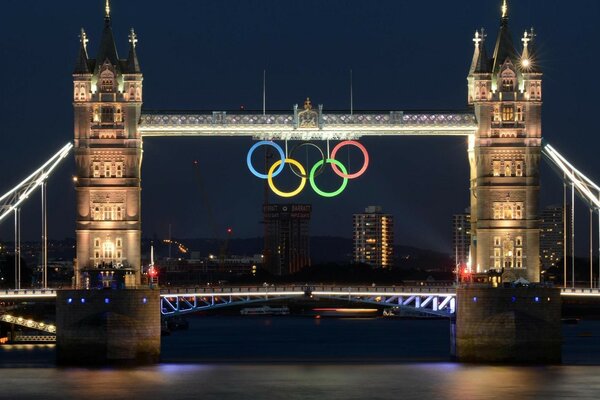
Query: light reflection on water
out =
(292, 382)
(291, 359)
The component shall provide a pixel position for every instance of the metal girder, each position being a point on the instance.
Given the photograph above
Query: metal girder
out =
(28, 323)
(12, 199)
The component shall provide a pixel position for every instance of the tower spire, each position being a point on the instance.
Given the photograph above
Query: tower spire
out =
(107, 9)
(504, 9)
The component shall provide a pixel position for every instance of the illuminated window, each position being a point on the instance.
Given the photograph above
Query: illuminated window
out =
(520, 113)
(508, 113)
(519, 168)
(518, 211)
(107, 81)
(508, 211)
(507, 168)
(96, 169)
(119, 173)
(108, 250)
(497, 241)
(496, 165)
(119, 242)
(107, 173)
(97, 242)
(119, 215)
(519, 241)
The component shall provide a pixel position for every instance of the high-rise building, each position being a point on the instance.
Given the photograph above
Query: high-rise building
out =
(461, 238)
(107, 101)
(505, 91)
(552, 236)
(374, 238)
(287, 237)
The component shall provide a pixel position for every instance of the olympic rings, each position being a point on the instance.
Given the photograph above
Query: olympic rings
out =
(271, 175)
(314, 185)
(316, 147)
(265, 143)
(339, 168)
(365, 154)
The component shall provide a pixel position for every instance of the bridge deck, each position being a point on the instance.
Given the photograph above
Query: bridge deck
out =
(329, 126)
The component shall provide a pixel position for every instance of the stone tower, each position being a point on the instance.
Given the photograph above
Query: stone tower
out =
(107, 101)
(505, 92)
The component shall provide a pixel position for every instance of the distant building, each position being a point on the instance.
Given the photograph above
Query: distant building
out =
(552, 236)
(287, 237)
(374, 238)
(461, 237)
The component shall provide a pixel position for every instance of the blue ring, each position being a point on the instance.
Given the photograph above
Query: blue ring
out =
(265, 143)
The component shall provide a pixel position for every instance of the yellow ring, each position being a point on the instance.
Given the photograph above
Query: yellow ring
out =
(279, 192)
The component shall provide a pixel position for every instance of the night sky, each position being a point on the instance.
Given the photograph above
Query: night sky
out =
(210, 55)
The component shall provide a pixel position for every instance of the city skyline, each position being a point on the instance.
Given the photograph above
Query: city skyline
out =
(425, 225)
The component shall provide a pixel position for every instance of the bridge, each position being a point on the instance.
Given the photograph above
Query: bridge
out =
(432, 300)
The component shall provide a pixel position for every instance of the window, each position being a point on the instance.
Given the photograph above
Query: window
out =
(96, 169)
(519, 241)
(97, 242)
(119, 242)
(119, 172)
(497, 241)
(507, 168)
(508, 113)
(519, 168)
(508, 211)
(108, 250)
(497, 210)
(119, 216)
(107, 173)
(108, 115)
(519, 211)
(107, 80)
(496, 165)
(520, 113)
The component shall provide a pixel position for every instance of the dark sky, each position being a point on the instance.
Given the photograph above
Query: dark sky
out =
(210, 54)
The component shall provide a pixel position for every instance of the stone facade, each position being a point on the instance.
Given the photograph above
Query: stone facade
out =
(108, 152)
(107, 327)
(508, 325)
(505, 92)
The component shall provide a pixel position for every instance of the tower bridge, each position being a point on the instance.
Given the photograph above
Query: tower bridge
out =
(503, 124)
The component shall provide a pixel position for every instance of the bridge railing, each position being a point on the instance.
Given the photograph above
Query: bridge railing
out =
(209, 290)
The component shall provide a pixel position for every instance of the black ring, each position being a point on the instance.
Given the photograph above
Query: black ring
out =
(296, 147)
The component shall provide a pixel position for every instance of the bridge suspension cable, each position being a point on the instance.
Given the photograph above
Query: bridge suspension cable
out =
(12, 200)
(588, 191)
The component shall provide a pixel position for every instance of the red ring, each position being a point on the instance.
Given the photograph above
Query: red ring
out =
(365, 154)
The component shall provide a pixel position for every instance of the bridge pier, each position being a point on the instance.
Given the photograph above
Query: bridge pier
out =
(508, 325)
(107, 327)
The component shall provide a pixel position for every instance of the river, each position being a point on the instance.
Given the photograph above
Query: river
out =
(228, 357)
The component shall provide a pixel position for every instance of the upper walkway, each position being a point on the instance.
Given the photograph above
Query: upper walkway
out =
(321, 126)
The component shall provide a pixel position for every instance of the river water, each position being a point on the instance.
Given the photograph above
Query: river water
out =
(304, 358)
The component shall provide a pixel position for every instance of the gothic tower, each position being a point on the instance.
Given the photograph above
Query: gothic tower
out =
(505, 92)
(107, 103)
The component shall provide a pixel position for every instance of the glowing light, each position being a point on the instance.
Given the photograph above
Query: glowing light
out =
(265, 143)
(362, 149)
(504, 9)
(279, 164)
(314, 170)
(526, 63)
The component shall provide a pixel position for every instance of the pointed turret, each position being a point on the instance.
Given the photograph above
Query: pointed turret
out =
(529, 59)
(82, 64)
(108, 48)
(481, 62)
(133, 65)
(505, 47)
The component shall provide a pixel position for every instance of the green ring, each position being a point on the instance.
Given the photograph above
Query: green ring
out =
(314, 185)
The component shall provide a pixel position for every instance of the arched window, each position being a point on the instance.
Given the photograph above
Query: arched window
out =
(508, 80)
(107, 80)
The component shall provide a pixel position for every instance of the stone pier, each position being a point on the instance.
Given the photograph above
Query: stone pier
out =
(519, 325)
(108, 327)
